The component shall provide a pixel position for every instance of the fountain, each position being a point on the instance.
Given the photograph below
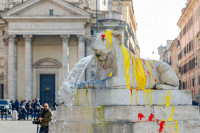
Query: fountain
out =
(127, 95)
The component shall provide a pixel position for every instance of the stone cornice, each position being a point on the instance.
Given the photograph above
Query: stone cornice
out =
(60, 2)
(47, 17)
(188, 9)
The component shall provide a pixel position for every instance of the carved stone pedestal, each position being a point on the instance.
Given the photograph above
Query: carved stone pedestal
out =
(120, 111)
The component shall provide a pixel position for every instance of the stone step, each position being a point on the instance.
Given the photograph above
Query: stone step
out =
(125, 97)
(126, 113)
(189, 126)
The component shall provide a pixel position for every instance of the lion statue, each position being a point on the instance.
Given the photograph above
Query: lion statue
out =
(118, 67)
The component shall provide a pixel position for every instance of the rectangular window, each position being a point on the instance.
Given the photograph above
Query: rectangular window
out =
(183, 85)
(50, 12)
(185, 51)
(193, 82)
(199, 79)
(91, 32)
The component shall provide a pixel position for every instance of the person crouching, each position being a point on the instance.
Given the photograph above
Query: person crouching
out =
(22, 113)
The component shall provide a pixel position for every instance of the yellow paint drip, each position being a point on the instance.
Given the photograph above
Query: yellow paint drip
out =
(140, 74)
(176, 126)
(168, 98)
(136, 96)
(110, 75)
(147, 93)
(131, 96)
(133, 67)
(108, 35)
(126, 66)
(172, 113)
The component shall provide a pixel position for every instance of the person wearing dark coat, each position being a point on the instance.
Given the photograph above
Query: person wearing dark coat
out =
(28, 104)
(30, 111)
(37, 103)
(37, 112)
(55, 105)
(32, 104)
(22, 103)
(22, 113)
(12, 105)
(4, 111)
(17, 105)
(45, 118)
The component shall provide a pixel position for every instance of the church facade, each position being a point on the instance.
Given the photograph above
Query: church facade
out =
(41, 42)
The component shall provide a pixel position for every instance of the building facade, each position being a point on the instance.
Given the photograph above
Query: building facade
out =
(41, 41)
(185, 50)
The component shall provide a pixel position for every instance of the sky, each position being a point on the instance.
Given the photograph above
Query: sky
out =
(156, 23)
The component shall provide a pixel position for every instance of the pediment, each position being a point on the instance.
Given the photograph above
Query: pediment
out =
(47, 63)
(40, 8)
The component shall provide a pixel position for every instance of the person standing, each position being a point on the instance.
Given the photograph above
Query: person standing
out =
(37, 103)
(12, 105)
(45, 119)
(17, 105)
(4, 111)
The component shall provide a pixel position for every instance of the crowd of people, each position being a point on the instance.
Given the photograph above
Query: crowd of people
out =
(24, 109)
(41, 114)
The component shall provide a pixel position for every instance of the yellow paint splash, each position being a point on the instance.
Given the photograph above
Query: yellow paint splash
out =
(176, 126)
(172, 113)
(110, 75)
(175, 122)
(131, 96)
(126, 66)
(147, 94)
(136, 96)
(108, 35)
(133, 67)
(140, 74)
(168, 98)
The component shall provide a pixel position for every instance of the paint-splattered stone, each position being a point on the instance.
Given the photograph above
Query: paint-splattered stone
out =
(125, 97)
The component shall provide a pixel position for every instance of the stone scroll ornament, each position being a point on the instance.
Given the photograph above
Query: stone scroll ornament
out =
(118, 67)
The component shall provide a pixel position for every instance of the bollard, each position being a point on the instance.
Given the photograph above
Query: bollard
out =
(14, 115)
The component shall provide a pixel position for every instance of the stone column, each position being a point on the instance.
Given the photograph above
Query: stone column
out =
(28, 67)
(88, 52)
(110, 9)
(6, 67)
(11, 68)
(81, 50)
(81, 47)
(65, 55)
(119, 7)
(81, 3)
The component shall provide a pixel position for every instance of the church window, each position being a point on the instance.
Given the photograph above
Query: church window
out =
(50, 12)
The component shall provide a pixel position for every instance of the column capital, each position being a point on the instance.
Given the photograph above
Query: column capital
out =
(65, 36)
(81, 38)
(29, 36)
(11, 38)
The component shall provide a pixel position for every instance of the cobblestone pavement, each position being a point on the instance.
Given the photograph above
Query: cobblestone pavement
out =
(17, 126)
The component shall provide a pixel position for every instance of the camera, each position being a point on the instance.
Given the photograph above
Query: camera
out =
(37, 122)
